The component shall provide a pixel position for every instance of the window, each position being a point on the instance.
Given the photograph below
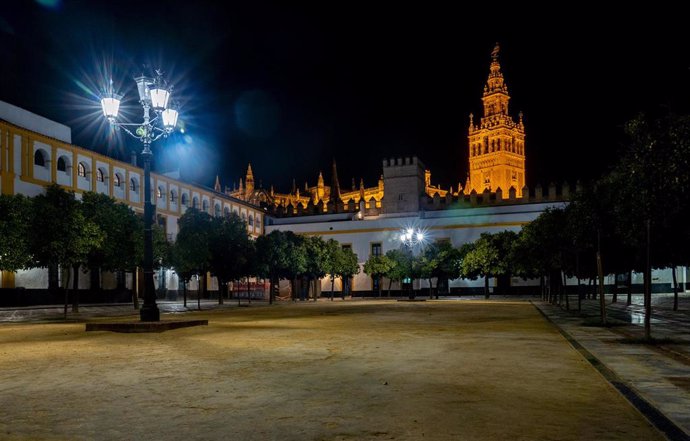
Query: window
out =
(226, 212)
(159, 193)
(216, 210)
(99, 175)
(401, 197)
(173, 196)
(81, 170)
(258, 222)
(347, 247)
(204, 205)
(376, 249)
(117, 180)
(251, 220)
(39, 158)
(184, 199)
(62, 164)
(195, 202)
(133, 185)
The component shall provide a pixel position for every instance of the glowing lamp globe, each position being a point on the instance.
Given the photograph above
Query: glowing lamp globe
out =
(169, 119)
(159, 97)
(143, 83)
(110, 103)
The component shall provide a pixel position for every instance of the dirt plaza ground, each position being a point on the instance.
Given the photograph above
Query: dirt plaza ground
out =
(365, 370)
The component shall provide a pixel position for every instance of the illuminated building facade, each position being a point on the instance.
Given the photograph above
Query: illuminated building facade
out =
(36, 152)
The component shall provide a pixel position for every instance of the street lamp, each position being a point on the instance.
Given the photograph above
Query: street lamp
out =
(154, 94)
(409, 238)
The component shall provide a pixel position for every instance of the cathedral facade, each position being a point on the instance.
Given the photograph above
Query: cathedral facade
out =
(496, 152)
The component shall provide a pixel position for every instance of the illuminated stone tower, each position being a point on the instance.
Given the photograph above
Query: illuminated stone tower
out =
(497, 144)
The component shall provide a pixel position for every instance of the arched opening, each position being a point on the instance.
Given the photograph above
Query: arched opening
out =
(133, 185)
(81, 170)
(184, 199)
(62, 164)
(40, 158)
(117, 180)
(99, 175)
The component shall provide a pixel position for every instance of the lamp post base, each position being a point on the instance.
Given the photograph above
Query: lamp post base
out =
(150, 313)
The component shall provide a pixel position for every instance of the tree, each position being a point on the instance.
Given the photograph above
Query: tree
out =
(229, 244)
(60, 234)
(654, 189)
(14, 231)
(378, 266)
(348, 267)
(441, 261)
(119, 225)
(193, 245)
(490, 257)
(317, 261)
(280, 257)
(183, 266)
(402, 267)
(341, 262)
(333, 261)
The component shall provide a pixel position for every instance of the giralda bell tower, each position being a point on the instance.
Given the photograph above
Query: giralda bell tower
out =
(497, 143)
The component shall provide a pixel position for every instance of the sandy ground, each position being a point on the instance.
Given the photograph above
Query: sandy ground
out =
(325, 371)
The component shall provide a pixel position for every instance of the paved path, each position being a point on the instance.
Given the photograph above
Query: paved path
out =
(659, 375)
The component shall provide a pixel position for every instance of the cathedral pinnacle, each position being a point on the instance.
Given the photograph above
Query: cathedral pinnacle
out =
(216, 186)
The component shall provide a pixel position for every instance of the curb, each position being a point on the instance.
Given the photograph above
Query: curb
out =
(664, 424)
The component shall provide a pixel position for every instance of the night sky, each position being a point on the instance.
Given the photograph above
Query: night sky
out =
(291, 85)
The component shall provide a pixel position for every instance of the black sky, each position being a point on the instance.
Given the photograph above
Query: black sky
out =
(288, 85)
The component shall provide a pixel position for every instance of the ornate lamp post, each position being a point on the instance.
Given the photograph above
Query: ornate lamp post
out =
(154, 94)
(409, 238)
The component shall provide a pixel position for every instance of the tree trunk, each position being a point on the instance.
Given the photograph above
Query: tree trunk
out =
(199, 291)
(379, 285)
(542, 288)
(615, 288)
(249, 292)
(629, 302)
(600, 273)
(69, 272)
(648, 287)
(135, 288)
(75, 295)
(486, 286)
(565, 292)
(390, 282)
(333, 286)
(184, 292)
(431, 291)
(675, 289)
(579, 295)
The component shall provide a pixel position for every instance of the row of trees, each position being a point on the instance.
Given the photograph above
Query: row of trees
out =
(221, 247)
(57, 231)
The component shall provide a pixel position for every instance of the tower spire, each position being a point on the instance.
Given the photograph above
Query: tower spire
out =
(335, 185)
(495, 92)
(216, 186)
(249, 181)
